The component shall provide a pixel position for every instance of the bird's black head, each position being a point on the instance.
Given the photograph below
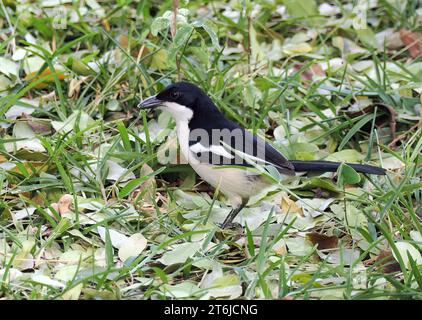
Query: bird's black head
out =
(183, 93)
(181, 98)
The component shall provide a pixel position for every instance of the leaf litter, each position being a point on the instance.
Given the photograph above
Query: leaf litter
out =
(69, 148)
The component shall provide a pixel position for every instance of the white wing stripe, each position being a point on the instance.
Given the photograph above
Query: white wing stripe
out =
(218, 150)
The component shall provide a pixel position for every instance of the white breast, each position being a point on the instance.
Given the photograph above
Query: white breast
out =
(182, 128)
(182, 116)
(180, 113)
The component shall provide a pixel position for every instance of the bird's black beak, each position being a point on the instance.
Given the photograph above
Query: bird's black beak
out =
(150, 102)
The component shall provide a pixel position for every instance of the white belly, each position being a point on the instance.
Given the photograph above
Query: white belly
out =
(235, 183)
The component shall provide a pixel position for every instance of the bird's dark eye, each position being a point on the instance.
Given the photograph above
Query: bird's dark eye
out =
(175, 94)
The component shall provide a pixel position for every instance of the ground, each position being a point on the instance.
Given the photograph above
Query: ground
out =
(95, 202)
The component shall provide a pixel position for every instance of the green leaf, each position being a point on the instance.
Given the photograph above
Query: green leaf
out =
(316, 182)
(250, 244)
(304, 151)
(302, 9)
(124, 135)
(160, 60)
(60, 228)
(225, 281)
(256, 52)
(264, 83)
(108, 249)
(250, 94)
(159, 24)
(161, 274)
(366, 36)
(210, 29)
(355, 129)
(131, 185)
(347, 174)
(179, 253)
(182, 35)
(348, 155)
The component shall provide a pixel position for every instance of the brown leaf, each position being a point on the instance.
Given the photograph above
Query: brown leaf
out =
(64, 203)
(317, 70)
(106, 24)
(280, 247)
(123, 41)
(40, 126)
(46, 75)
(322, 241)
(48, 97)
(309, 74)
(413, 42)
(32, 167)
(387, 262)
(39, 198)
(74, 88)
(289, 206)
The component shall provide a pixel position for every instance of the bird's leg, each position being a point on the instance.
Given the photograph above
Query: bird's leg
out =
(229, 219)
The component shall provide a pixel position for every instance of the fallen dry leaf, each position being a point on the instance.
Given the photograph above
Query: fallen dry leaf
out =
(39, 198)
(132, 247)
(74, 88)
(309, 74)
(387, 262)
(39, 126)
(32, 167)
(413, 42)
(280, 247)
(289, 206)
(64, 204)
(32, 77)
(322, 241)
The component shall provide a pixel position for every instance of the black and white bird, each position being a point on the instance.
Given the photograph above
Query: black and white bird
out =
(224, 154)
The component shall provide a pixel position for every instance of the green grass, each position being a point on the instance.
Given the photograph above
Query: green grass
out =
(138, 228)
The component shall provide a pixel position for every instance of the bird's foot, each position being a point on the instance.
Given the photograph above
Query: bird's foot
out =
(230, 230)
(230, 225)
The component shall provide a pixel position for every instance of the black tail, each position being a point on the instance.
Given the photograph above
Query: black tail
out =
(328, 166)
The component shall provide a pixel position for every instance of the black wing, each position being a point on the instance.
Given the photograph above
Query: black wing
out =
(271, 155)
(233, 145)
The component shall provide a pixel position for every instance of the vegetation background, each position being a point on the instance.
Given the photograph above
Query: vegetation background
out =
(94, 200)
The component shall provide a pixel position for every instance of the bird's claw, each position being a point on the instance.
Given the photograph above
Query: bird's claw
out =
(230, 225)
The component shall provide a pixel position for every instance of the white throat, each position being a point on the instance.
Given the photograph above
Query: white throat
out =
(179, 112)
(182, 115)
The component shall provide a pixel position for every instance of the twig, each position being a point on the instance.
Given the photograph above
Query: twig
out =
(173, 30)
(393, 143)
(173, 27)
